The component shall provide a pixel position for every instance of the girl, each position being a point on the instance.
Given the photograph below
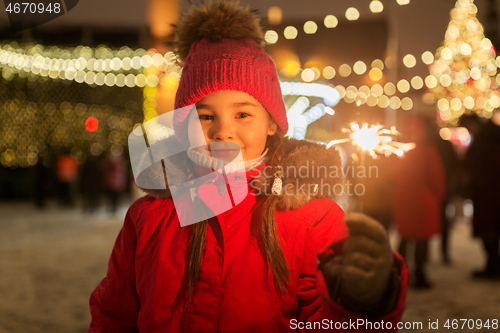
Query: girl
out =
(254, 246)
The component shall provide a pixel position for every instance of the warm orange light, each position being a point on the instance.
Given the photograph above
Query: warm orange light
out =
(292, 67)
(375, 74)
(274, 15)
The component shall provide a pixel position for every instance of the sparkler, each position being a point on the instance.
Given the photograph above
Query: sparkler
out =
(374, 140)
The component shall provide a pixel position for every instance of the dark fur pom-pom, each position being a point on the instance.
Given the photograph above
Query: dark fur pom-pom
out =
(215, 20)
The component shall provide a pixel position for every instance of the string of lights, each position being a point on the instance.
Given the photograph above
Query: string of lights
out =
(33, 64)
(377, 95)
(330, 21)
(85, 64)
(99, 66)
(359, 67)
(101, 58)
(85, 67)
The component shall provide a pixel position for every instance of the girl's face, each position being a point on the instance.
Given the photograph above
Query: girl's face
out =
(232, 117)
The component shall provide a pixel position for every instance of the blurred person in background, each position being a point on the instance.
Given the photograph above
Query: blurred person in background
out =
(66, 169)
(41, 177)
(114, 179)
(482, 180)
(91, 184)
(450, 161)
(419, 188)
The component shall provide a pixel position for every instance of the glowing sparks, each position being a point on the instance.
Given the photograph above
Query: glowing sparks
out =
(366, 137)
(374, 140)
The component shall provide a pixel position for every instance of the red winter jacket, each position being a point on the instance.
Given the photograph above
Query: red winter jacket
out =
(146, 285)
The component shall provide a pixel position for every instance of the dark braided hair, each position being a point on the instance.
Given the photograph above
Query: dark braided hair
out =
(269, 233)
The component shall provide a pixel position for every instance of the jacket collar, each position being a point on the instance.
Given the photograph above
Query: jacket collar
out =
(301, 163)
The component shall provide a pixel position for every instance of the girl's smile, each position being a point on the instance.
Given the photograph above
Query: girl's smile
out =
(226, 154)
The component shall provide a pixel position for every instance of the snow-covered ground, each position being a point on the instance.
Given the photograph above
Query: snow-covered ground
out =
(455, 294)
(51, 260)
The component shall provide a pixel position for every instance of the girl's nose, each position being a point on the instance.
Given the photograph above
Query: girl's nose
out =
(223, 130)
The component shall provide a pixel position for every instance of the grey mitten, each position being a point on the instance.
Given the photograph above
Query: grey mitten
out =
(360, 277)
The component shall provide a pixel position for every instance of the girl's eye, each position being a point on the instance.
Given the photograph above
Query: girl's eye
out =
(205, 117)
(243, 115)
(210, 117)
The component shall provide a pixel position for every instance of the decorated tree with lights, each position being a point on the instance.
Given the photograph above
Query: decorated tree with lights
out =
(463, 72)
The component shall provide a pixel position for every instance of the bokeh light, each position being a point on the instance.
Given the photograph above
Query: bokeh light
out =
(403, 86)
(331, 21)
(486, 44)
(317, 73)
(445, 80)
(375, 74)
(345, 70)
(389, 88)
(394, 102)
(307, 75)
(376, 6)
(383, 101)
(328, 72)
(310, 27)
(417, 82)
(271, 37)
(341, 90)
(409, 61)
(390, 62)
(290, 32)
(371, 100)
(465, 49)
(91, 124)
(359, 67)
(365, 90)
(430, 81)
(406, 103)
(475, 73)
(445, 133)
(352, 14)
(469, 102)
(274, 15)
(427, 58)
(377, 90)
(446, 53)
(377, 63)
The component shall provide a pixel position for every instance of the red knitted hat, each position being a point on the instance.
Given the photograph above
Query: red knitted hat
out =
(220, 45)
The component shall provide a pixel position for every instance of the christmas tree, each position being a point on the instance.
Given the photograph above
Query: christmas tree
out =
(463, 73)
